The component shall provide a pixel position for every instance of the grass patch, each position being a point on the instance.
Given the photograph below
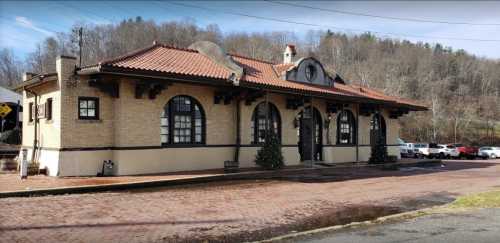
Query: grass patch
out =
(481, 200)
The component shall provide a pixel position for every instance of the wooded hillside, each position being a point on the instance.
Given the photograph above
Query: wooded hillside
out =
(461, 90)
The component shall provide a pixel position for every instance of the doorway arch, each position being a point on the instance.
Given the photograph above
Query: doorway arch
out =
(378, 128)
(310, 134)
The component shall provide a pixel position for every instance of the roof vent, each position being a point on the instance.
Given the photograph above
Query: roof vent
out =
(219, 56)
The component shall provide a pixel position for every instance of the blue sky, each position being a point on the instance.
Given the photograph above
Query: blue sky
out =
(25, 23)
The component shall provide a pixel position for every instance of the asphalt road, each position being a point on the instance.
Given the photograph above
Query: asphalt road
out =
(478, 226)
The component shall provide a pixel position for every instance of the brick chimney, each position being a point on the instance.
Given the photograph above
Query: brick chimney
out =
(65, 67)
(289, 54)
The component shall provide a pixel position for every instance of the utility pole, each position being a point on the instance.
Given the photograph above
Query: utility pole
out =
(80, 43)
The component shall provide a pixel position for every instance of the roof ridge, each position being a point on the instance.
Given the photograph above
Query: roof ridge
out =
(249, 58)
(141, 51)
(176, 47)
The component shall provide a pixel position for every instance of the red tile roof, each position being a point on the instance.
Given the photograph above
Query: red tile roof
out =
(172, 60)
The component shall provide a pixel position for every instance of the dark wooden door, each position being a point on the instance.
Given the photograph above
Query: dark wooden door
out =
(306, 139)
(310, 135)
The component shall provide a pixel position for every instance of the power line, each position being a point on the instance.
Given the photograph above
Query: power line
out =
(84, 10)
(382, 17)
(330, 26)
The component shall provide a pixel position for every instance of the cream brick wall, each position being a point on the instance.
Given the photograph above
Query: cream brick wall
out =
(86, 133)
(130, 122)
(138, 120)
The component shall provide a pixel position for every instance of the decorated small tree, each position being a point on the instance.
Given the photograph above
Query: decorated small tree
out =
(379, 150)
(270, 155)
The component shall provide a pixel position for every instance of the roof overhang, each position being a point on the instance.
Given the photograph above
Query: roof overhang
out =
(102, 70)
(36, 81)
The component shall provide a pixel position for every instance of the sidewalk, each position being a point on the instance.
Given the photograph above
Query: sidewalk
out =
(11, 185)
(241, 210)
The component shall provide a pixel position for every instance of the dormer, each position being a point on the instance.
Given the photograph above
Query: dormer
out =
(310, 71)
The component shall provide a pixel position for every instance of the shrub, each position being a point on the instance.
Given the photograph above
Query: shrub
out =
(270, 155)
(379, 151)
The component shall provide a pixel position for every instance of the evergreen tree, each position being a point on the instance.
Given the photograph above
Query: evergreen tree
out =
(270, 155)
(379, 149)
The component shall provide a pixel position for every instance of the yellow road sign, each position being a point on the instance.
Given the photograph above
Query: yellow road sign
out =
(4, 109)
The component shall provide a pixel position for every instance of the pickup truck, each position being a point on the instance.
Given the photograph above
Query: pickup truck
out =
(468, 152)
(421, 150)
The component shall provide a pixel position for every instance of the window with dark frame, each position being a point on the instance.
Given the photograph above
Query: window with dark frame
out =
(310, 72)
(258, 124)
(48, 109)
(31, 112)
(88, 108)
(346, 128)
(182, 122)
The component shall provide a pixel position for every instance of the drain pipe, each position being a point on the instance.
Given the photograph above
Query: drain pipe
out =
(238, 131)
(35, 135)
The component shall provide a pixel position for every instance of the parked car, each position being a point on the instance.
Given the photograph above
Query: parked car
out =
(437, 151)
(451, 151)
(468, 152)
(406, 149)
(489, 152)
(421, 150)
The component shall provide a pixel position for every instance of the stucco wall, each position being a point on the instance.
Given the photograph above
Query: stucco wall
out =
(48, 131)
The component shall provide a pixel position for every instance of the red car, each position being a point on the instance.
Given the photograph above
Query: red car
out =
(468, 152)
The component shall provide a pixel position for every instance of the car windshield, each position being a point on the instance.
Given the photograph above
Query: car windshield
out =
(421, 145)
(485, 148)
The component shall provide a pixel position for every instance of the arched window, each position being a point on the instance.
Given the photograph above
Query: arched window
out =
(182, 122)
(346, 128)
(259, 122)
(377, 128)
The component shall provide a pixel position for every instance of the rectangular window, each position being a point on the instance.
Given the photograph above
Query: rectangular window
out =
(182, 129)
(31, 111)
(48, 109)
(88, 108)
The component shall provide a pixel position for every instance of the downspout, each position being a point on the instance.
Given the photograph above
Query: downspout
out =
(35, 135)
(357, 134)
(238, 131)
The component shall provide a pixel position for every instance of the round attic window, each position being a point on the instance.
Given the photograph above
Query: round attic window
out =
(310, 72)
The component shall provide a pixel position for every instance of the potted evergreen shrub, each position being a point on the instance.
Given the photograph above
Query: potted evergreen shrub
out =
(270, 155)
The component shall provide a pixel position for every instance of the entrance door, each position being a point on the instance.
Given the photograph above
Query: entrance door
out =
(310, 135)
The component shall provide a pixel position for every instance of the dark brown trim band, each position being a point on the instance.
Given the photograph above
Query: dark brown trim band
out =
(186, 146)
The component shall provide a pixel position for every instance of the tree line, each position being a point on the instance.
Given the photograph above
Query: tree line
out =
(461, 90)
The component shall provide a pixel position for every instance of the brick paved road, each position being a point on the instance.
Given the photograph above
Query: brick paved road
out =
(231, 210)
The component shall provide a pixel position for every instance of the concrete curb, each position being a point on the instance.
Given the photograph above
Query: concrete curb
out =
(198, 180)
(393, 217)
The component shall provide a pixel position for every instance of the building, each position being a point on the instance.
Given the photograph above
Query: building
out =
(164, 109)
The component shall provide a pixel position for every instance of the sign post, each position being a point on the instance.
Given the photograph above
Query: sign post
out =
(24, 165)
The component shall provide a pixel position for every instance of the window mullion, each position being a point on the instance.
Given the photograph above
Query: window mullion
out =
(193, 123)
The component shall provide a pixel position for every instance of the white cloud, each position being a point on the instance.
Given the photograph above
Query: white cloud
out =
(25, 22)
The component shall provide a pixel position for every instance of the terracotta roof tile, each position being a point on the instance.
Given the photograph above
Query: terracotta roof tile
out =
(167, 59)
(171, 60)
